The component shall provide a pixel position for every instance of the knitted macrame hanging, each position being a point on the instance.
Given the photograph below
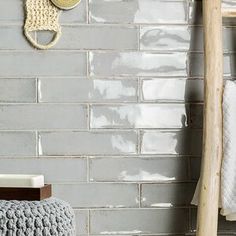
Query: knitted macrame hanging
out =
(42, 15)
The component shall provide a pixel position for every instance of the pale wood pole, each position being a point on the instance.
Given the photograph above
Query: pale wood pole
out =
(207, 219)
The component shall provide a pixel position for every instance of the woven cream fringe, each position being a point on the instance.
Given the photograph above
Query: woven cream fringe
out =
(42, 15)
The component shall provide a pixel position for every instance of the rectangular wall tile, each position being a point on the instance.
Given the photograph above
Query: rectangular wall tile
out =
(54, 169)
(17, 90)
(196, 67)
(12, 37)
(81, 218)
(50, 63)
(229, 68)
(11, 11)
(195, 166)
(40, 116)
(75, 15)
(166, 169)
(195, 12)
(90, 143)
(159, 221)
(87, 90)
(167, 195)
(163, 38)
(98, 195)
(17, 144)
(228, 38)
(171, 38)
(96, 37)
(139, 116)
(138, 64)
(182, 142)
(181, 38)
(148, 11)
(196, 116)
(174, 90)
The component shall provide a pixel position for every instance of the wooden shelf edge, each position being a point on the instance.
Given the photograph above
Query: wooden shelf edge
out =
(228, 13)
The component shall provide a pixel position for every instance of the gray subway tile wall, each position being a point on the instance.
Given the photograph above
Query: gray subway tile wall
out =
(72, 90)
(18, 90)
(140, 12)
(76, 143)
(99, 195)
(140, 221)
(112, 115)
(84, 37)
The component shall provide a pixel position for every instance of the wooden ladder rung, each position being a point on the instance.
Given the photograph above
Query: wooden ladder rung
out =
(228, 13)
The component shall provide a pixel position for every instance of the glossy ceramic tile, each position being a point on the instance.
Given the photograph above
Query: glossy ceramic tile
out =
(196, 116)
(139, 116)
(75, 15)
(12, 37)
(90, 143)
(229, 68)
(228, 36)
(195, 12)
(86, 90)
(81, 222)
(40, 116)
(195, 166)
(18, 144)
(17, 90)
(180, 38)
(137, 169)
(166, 38)
(92, 37)
(98, 195)
(42, 63)
(138, 63)
(167, 195)
(196, 67)
(11, 11)
(54, 169)
(139, 221)
(174, 90)
(183, 142)
(138, 11)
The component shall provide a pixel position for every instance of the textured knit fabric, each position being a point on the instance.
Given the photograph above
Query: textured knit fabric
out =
(228, 169)
(50, 217)
(42, 15)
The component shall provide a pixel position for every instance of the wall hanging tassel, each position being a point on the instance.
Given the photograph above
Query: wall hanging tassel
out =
(42, 15)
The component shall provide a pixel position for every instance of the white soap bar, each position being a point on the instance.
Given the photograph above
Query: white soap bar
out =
(31, 181)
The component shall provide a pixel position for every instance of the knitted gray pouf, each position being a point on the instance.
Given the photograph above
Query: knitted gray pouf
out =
(50, 217)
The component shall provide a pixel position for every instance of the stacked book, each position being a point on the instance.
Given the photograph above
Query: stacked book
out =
(24, 187)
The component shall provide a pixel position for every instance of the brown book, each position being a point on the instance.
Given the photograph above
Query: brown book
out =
(28, 194)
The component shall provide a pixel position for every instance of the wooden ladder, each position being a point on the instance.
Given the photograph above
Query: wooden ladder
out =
(207, 219)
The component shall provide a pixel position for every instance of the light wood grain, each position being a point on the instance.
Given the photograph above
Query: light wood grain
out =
(212, 135)
(228, 13)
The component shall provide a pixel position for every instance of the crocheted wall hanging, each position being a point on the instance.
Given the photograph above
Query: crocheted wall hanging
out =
(42, 15)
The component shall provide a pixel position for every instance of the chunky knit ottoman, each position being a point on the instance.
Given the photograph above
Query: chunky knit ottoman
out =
(37, 218)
